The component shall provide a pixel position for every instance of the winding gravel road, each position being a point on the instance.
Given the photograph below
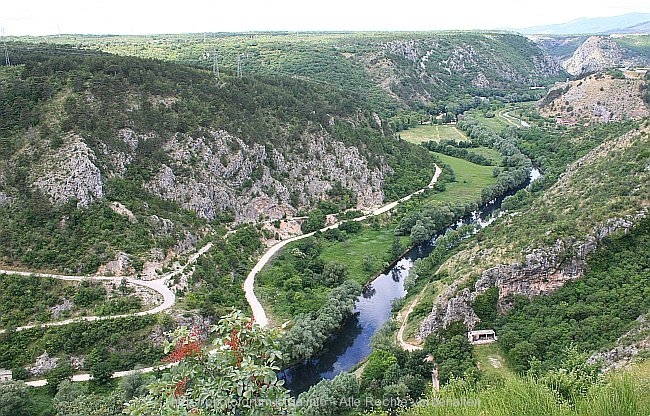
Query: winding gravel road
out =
(160, 285)
(249, 284)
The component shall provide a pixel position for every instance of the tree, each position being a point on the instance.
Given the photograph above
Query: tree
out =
(350, 227)
(334, 274)
(238, 376)
(54, 377)
(396, 248)
(420, 233)
(378, 362)
(135, 385)
(521, 355)
(73, 399)
(315, 221)
(329, 397)
(13, 399)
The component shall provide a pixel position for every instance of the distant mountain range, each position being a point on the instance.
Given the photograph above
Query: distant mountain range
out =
(632, 23)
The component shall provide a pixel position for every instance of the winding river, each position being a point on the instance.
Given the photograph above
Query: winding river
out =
(351, 344)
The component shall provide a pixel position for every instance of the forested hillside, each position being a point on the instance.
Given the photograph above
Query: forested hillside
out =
(439, 71)
(154, 152)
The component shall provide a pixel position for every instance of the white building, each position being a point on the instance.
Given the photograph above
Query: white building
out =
(5, 375)
(482, 336)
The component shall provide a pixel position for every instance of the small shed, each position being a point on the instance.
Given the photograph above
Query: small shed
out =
(482, 336)
(5, 375)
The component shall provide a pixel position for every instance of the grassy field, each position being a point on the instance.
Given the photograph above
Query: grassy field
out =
(490, 360)
(495, 123)
(427, 132)
(470, 180)
(374, 244)
(493, 155)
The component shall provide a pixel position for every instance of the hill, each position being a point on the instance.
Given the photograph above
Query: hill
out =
(390, 71)
(631, 23)
(580, 55)
(145, 157)
(598, 98)
(545, 245)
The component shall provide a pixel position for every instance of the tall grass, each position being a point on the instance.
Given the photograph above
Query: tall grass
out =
(618, 395)
(622, 396)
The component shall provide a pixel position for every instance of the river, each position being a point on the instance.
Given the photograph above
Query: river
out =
(351, 344)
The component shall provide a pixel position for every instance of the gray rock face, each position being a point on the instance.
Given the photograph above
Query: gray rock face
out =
(57, 310)
(70, 173)
(4, 199)
(598, 53)
(254, 180)
(543, 271)
(43, 364)
(121, 266)
(629, 345)
(595, 54)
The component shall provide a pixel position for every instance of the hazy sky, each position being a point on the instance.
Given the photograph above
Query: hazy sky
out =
(38, 17)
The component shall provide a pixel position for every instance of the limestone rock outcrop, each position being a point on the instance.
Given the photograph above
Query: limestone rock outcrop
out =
(70, 173)
(543, 271)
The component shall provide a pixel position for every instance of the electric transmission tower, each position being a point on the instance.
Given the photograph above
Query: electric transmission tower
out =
(215, 64)
(4, 44)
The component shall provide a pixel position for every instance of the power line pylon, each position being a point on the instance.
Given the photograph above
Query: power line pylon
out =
(6, 51)
(215, 64)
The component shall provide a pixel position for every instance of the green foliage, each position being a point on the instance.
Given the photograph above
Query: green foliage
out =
(135, 385)
(573, 378)
(89, 293)
(315, 221)
(588, 313)
(310, 331)
(74, 399)
(13, 399)
(378, 362)
(459, 150)
(219, 274)
(63, 371)
(238, 376)
(334, 274)
(125, 336)
(27, 297)
(329, 397)
(453, 355)
(485, 307)
(622, 393)
(351, 227)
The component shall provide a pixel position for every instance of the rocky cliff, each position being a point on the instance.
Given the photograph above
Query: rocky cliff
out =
(542, 272)
(597, 98)
(598, 53)
(603, 193)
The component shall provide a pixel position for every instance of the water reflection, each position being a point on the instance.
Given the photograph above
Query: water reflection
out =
(328, 364)
(373, 308)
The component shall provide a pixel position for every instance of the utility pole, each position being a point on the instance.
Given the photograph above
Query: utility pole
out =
(239, 74)
(4, 43)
